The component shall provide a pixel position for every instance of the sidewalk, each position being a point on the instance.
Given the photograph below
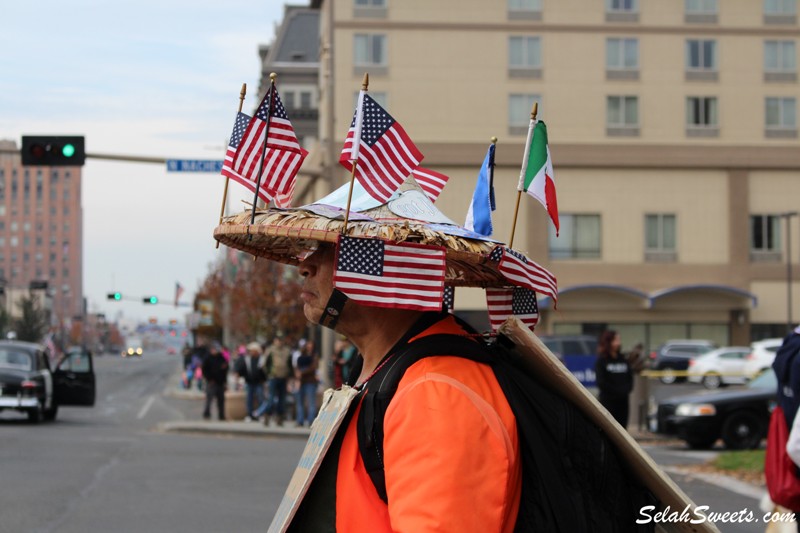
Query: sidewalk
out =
(258, 429)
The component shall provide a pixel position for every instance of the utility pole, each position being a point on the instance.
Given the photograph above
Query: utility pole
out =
(788, 216)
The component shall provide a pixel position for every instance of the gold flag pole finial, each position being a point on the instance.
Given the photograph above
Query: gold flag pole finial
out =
(534, 112)
(242, 94)
(365, 88)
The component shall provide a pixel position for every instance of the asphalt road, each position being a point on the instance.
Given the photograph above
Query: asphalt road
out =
(109, 468)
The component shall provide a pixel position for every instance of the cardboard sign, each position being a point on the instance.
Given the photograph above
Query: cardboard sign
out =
(550, 371)
(335, 405)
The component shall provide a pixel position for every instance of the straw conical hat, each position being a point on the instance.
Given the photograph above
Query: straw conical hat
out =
(286, 235)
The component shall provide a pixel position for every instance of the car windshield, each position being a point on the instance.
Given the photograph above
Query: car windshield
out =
(15, 360)
(765, 380)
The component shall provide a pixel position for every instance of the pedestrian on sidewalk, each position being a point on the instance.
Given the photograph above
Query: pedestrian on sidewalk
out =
(215, 372)
(614, 376)
(251, 369)
(278, 368)
(306, 374)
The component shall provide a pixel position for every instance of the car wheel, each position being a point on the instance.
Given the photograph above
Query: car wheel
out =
(50, 414)
(701, 444)
(741, 431)
(712, 381)
(668, 377)
(35, 414)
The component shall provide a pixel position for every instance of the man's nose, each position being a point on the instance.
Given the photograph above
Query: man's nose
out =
(307, 267)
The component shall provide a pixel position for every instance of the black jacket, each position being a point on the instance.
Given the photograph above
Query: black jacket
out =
(614, 376)
(215, 369)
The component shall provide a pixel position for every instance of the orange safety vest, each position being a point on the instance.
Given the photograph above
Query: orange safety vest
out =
(451, 454)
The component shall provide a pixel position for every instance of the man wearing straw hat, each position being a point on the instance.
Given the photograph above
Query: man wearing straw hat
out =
(450, 449)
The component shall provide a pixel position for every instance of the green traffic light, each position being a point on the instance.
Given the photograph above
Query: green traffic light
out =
(117, 296)
(153, 300)
(68, 150)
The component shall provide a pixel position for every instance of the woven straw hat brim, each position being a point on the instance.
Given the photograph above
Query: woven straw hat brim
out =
(287, 235)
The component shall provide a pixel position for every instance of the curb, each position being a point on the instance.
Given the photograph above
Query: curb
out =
(252, 429)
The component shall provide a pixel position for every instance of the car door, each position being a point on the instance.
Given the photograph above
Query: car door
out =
(732, 365)
(73, 379)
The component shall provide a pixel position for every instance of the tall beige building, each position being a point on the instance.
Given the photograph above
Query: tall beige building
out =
(672, 126)
(41, 231)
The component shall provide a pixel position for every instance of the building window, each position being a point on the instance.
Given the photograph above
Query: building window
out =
(781, 117)
(2, 241)
(622, 11)
(13, 241)
(622, 116)
(780, 62)
(701, 60)
(765, 238)
(579, 237)
(701, 11)
(702, 117)
(622, 59)
(524, 57)
(659, 237)
(305, 100)
(369, 8)
(519, 112)
(524, 9)
(780, 11)
(369, 52)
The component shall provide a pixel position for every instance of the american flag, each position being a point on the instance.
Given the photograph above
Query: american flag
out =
(387, 274)
(283, 155)
(517, 301)
(449, 300)
(239, 127)
(432, 182)
(178, 292)
(522, 272)
(385, 153)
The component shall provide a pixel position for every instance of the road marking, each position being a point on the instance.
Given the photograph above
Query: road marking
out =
(146, 407)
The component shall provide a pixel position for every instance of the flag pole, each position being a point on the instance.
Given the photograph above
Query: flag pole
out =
(364, 87)
(534, 112)
(242, 94)
(272, 77)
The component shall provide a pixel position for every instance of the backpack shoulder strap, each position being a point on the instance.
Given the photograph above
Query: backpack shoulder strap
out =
(383, 386)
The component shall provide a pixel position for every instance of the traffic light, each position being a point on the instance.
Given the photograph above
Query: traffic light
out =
(116, 296)
(53, 150)
(150, 299)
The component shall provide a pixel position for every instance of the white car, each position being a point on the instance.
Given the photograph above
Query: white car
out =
(762, 356)
(723, 366)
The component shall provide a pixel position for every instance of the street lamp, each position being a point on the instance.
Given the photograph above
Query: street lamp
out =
(788, 216)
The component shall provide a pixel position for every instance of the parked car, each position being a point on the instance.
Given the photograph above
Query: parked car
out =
(739, 417)
(28, 385)
(720, 367)
(577, 352)
(675, 355)
(761, 356)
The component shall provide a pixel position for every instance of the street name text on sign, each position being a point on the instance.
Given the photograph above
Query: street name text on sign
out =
(194, 165)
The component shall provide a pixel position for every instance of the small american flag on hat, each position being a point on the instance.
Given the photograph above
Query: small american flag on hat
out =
(517, 301)
(432, 182)
(522, 272)
(388, 274)
(239, 126)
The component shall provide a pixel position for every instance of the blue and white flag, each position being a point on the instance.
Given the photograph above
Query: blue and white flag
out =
(479, 215)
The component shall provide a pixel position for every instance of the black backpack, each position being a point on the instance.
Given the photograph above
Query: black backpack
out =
(572, 477)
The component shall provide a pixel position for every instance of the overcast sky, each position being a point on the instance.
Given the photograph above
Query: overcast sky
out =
(147, 77)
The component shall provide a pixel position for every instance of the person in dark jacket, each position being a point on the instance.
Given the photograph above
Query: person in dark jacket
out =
(215, 373)
(787, 369)
(614, 376)
(251, 369)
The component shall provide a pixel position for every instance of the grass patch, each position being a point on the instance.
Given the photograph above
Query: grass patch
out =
(743, 460)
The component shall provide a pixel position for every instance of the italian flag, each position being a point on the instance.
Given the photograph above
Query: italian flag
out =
(536, 176)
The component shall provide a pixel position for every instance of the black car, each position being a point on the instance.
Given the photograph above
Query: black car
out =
(739, 417)
(29, 385)
(675, 355)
